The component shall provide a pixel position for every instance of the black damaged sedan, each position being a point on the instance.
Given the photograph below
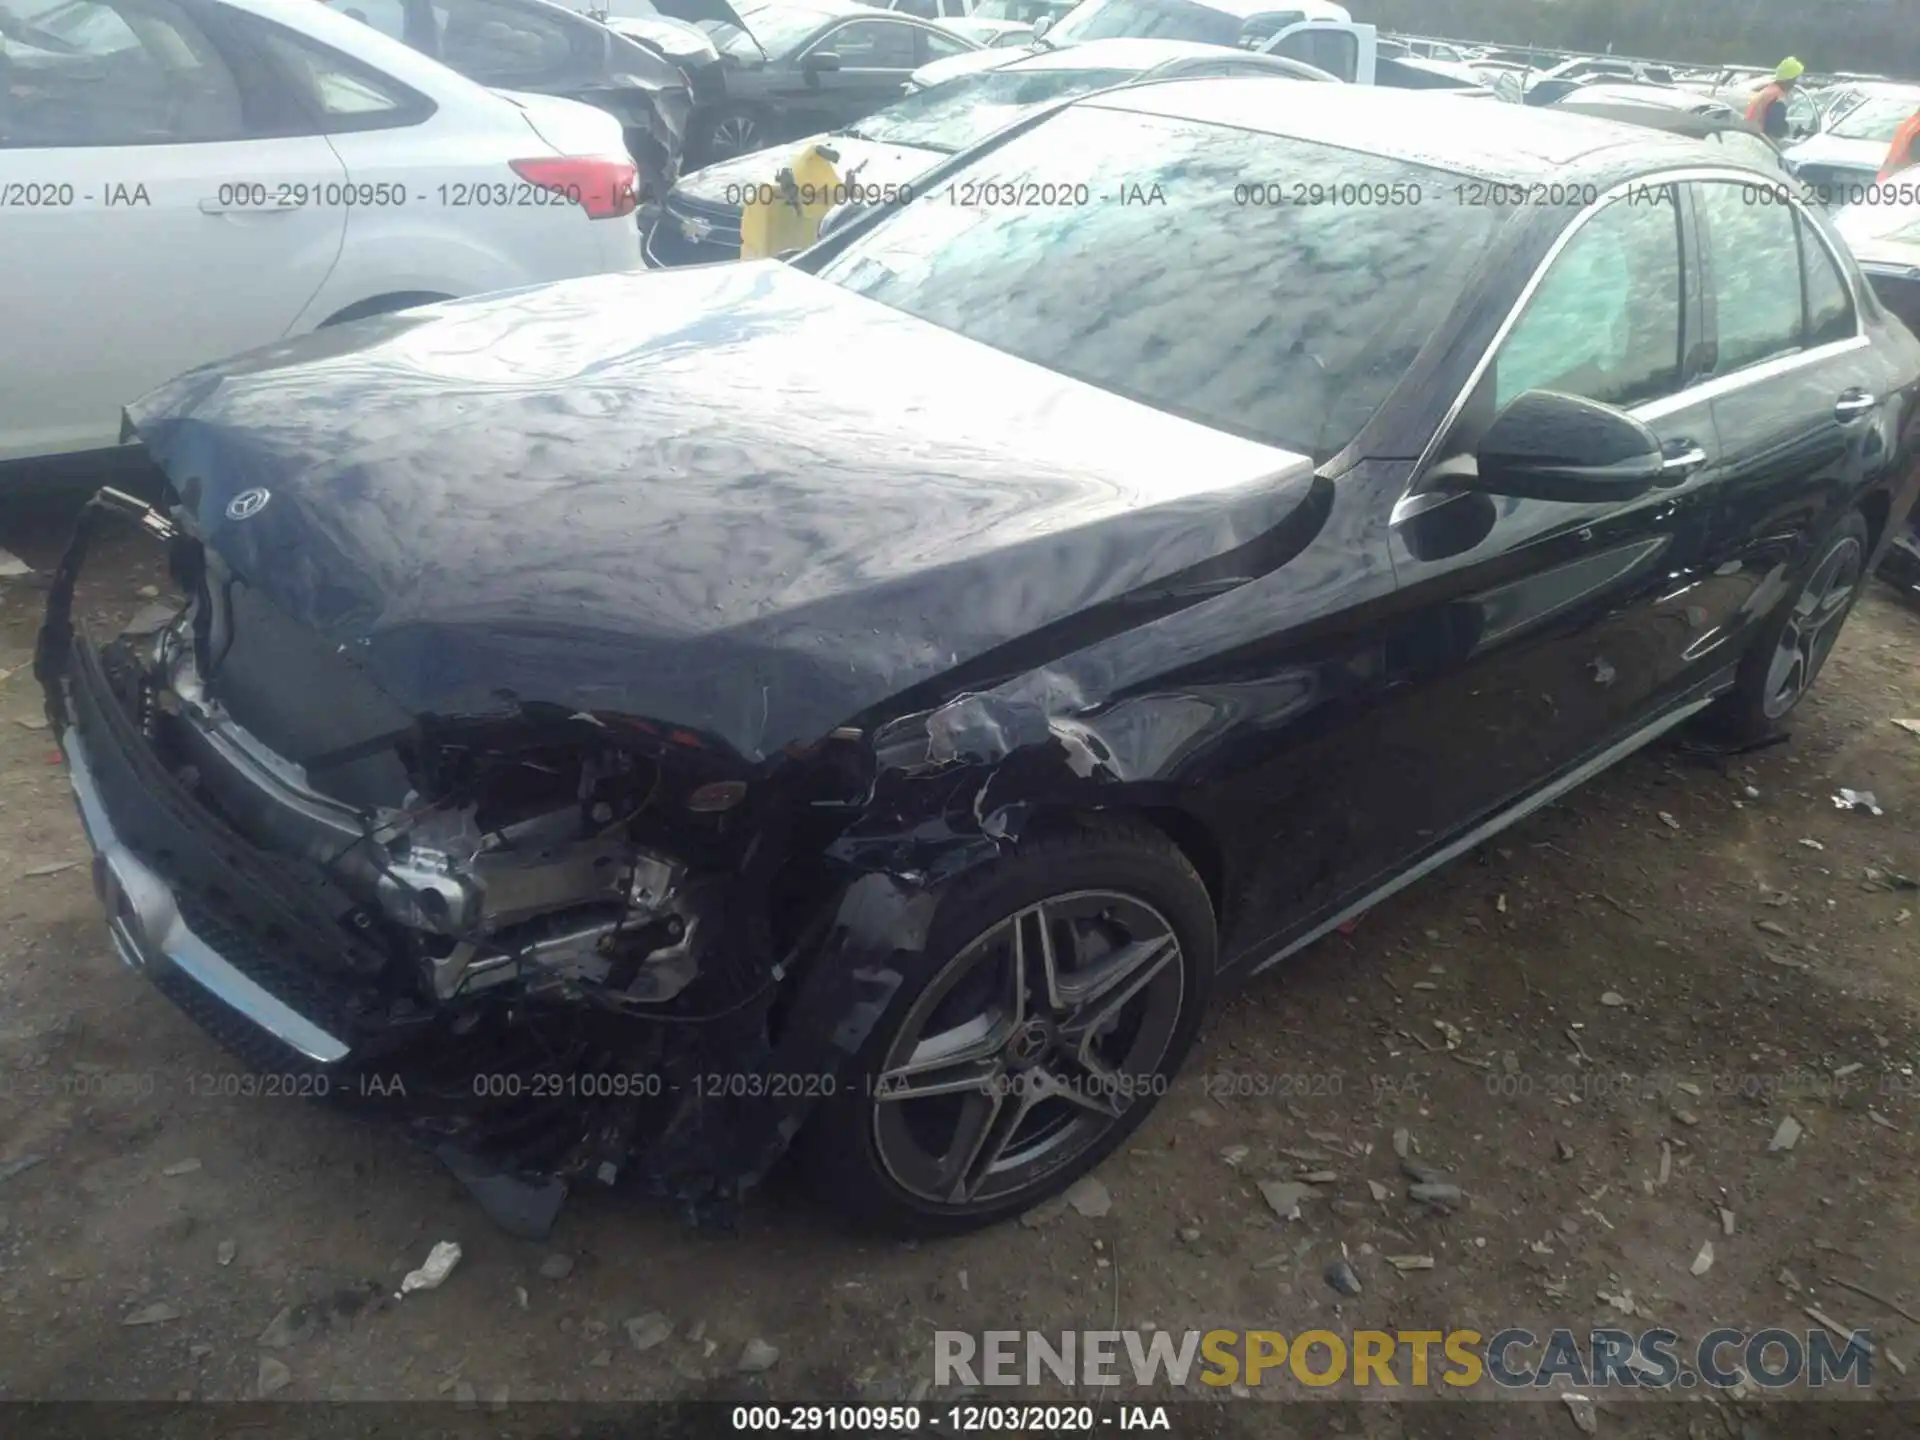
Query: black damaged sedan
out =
(868, 706)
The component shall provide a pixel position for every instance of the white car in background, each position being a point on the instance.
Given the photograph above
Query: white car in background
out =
(1842, 161)
(184, 179)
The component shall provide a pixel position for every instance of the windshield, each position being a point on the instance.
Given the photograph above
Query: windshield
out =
(962, 112)
(1875, 118)
(1146, 19)
(1131, 252)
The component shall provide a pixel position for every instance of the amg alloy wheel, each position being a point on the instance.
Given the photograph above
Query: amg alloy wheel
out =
(1028, 1046)
(1793, 645)
(1813, 623)
(1059, 991)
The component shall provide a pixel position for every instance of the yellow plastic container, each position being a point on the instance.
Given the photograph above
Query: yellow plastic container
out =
(787, 214)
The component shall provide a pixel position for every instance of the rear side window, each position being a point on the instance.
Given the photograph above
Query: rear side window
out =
(1754, 299)
(98, 72)
(1132, 252)
(297, 86)
(1830, 314)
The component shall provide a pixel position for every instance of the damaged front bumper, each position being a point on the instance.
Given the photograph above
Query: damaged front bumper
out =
(562, 1063)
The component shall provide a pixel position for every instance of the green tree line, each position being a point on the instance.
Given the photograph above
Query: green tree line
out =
(1873, 36)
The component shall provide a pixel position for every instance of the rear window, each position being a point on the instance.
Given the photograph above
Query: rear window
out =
(1141, 254)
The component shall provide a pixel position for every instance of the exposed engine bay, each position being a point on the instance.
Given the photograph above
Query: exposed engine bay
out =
(554, 932)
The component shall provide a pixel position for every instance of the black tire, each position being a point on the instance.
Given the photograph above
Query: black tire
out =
(841, 1151)
(1768, 687)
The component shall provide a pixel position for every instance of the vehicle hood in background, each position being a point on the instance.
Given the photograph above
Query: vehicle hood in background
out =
(863, 161)
(1832, 151)
(735, 499)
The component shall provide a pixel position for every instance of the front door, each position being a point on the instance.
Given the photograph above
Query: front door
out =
(876, 57)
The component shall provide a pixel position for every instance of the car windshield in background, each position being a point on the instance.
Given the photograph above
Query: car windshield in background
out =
(1875, 118)
(960, 113)
(1146, 19)
(1135, 253)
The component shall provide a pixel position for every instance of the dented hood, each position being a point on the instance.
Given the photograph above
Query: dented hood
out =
(734, 498)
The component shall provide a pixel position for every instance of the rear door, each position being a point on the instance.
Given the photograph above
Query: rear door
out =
(153, 212)
(1804, 401)
(1551, 631)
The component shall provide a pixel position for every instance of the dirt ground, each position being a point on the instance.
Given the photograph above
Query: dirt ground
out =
(1596, 1027)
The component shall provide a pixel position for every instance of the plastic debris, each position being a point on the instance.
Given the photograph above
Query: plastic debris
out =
(1668, 821)
(1404, 1263)
(1284, 1196)
(1786, 1136)
(430, 1276)
(1857, 800)
(1703, 1262)
(1581, 1409)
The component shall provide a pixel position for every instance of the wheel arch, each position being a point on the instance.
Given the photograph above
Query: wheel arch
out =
(1189, 834)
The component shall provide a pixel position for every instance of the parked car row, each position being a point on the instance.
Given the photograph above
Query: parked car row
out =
(866, 706)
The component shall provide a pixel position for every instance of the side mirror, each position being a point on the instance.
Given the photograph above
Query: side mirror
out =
(1042, 26)
(821, 60)
(1549, 446)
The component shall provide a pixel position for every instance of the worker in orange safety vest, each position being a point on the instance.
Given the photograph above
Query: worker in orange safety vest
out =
(1769, 107)
(1900, 154)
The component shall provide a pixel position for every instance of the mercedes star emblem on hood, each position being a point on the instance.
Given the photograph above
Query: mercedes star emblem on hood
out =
(248, 503)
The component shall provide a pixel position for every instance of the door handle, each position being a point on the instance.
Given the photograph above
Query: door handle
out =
(1852, 404)
(1680, 459)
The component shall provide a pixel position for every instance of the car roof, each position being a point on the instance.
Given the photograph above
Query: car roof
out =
(1430, 128)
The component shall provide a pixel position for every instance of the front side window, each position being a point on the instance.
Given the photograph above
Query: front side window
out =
(111, 72)
(925, 9)
(1755, 295)
(872, 45)
(1129, 251)
(940, 45)
(1604, 323)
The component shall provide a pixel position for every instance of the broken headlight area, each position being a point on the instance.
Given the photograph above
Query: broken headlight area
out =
(531, 935)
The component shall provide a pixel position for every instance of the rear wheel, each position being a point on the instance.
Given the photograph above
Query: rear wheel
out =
(732, 131)
(1783, 664)
(1058, 993)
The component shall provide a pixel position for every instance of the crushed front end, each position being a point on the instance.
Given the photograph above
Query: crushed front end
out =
(557, 945)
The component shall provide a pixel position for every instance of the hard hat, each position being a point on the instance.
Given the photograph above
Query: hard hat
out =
(1789, 69)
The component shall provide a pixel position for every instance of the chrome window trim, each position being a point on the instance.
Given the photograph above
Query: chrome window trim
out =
(1666, 404)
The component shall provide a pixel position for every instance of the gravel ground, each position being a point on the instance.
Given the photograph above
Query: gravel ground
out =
(1596, 1027)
